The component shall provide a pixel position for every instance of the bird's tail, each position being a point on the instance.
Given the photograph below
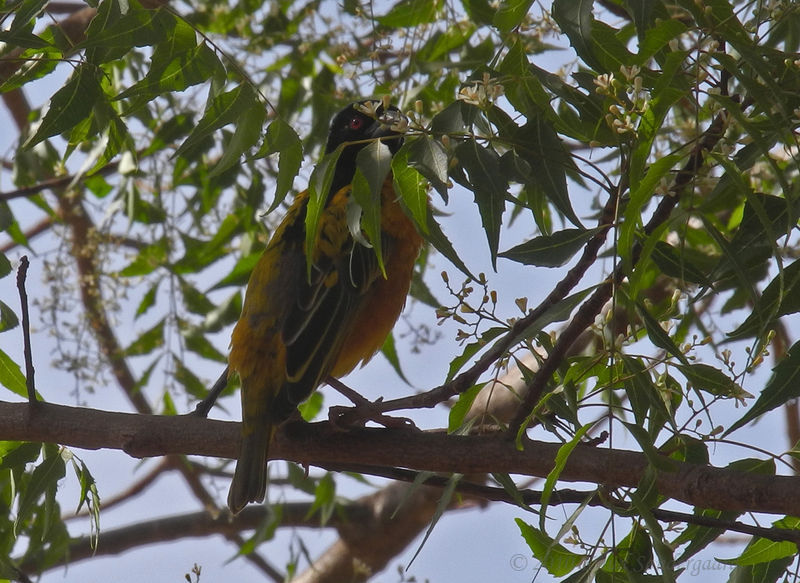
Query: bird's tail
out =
(250, 478)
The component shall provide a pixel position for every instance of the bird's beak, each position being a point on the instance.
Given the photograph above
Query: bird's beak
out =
(391, 122)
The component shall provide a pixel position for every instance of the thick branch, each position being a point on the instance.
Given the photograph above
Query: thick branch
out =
(196, 525)
(320, 444)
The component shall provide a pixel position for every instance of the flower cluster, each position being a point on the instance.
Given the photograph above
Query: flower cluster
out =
(482, 93)
(630, 99)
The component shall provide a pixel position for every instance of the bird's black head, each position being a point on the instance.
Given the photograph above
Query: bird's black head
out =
(356, 125)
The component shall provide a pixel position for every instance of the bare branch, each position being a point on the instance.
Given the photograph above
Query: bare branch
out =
(195, 525)
(321, 444)
(22, 275)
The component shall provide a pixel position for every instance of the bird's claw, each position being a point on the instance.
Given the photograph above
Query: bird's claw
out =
(348, 417)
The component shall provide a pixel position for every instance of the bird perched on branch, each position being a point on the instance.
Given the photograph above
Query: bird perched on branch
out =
(306, 318)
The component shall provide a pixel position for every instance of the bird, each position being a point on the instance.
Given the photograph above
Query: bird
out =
(302, 324)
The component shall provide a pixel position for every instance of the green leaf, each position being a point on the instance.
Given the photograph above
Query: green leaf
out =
(221, 110)
(510, 487)
(634, 553)
(658, 336)
(441, 507)
(200, 254)
(667, 89)
(699, 537)
(539, 145)
(5, 264)
(412, 188)
(608, 48)
(489, 186)
(283, 140)
(44, 63)
(550, 250)
(732, 260)
(44, 480)
(410, 13)
(247, 133)
(389, 350)
(8, 319)
(190, 381)
(645, 397)
(783, 386)
(657, 37)
(324, 498)
(574, 18)
(240, 273)
(89, 496)
(479, 11)
(455, 119)
(471, 349)
(16, 454)
(442, 244)
(761, 550)
(147, 341)
(780, 297)
(23, 38)
(373, 163)
(678, 263)
(441, 43)
(142, 211)
(461, 407)
(510, 14)
(562, 456)
(311, 407)
(197, 342)
(429, 157)
(664, 552)
(556, 313)
(69, 106)
(194, 300)
(319, 185)
(11, 376)
(554, 557)
(712, 380)
(136, 28)
(148, 260)
(174, 72)
(770, 572)
(642, 192)
(24, 12)
(526, 93)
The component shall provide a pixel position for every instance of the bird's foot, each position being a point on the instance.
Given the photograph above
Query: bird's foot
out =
(364, 410)
(348, 417)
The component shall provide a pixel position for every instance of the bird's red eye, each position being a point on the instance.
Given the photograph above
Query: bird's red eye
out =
(356, 123)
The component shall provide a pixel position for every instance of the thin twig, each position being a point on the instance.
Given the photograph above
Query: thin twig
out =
(22, 273)
(518, 330)
(55, 183)
(589, 310)
(203, 407)
(565, 496)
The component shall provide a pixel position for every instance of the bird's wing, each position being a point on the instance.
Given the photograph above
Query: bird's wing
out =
(321, 317)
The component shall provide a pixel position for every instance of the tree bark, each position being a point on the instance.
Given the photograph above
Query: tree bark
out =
(435, 451)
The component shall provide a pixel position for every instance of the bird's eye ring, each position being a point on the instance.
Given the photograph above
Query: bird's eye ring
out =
(356, 123)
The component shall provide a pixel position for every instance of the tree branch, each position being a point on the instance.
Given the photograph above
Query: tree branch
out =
(321, 444)
(469, 377)
(193, 525)
(592, 307)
